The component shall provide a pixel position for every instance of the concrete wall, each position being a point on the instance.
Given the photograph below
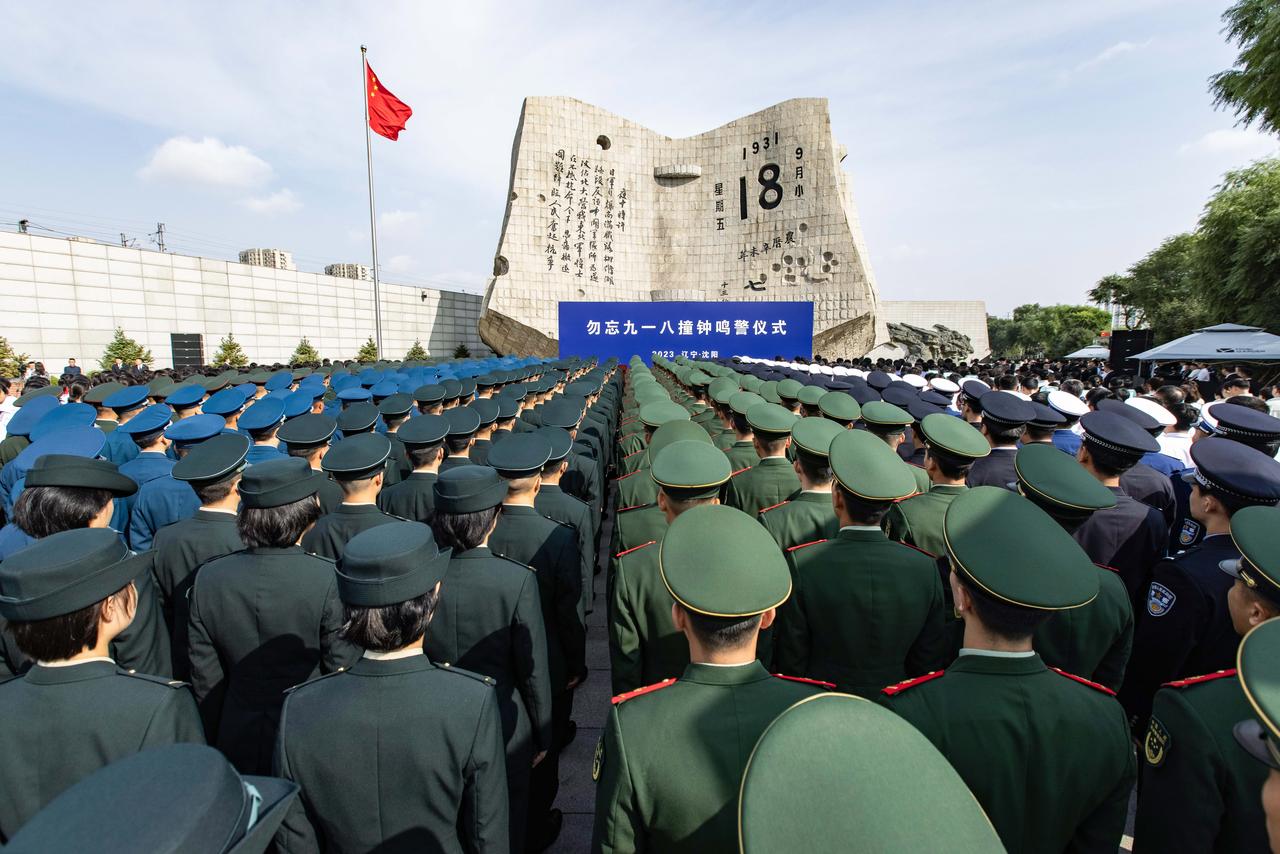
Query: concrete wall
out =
(968, 317)
(61, 298)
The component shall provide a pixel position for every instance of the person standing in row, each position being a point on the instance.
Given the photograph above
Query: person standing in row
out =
(358, 464)
(413, 497)
(308, 436)
(809, 515)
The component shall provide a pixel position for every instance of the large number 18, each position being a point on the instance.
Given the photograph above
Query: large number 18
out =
(768, 179)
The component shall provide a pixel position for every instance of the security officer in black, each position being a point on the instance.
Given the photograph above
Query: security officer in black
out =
(1004, 417)
(308, 436)
(66, 597)
(396, 752)
(358, 464)
(559, 506)
(1184, 626)
(412, 498)
(212, 469)
(265, 618)
(551, 548)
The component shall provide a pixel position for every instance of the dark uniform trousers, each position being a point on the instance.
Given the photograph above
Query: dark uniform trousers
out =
(1199, 791)
(262, 620)
(672, 756)
(179, 549)
(489, 621)
(412, 498)
(331, 532)
(1047, 757)
(864, 611)
(394, 755)
(1183, 627)
(63, 723)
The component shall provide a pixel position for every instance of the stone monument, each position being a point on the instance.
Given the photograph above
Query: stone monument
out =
(602, 209)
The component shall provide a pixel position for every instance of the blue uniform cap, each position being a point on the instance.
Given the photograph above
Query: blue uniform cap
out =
(153, 419)
(247, 390)
(1237, 470)
(185, 396)
(30, 414)
(75, 441)
(195, 429)
(384, 388)
(62, 417)
(281, 380)
(299, 403)
(226, 402)
(263, 415)
(130, 397)
(354, 394)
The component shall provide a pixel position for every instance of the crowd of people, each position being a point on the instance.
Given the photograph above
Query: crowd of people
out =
(351, 601)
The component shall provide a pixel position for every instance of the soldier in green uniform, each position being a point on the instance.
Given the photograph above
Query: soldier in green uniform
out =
(742, 453)
(308, 437)
(559, 506)
(1046, 754)
(358, 464)
(772, 479)
(95, 397)
(809, 515)
(212, 469)
(653, 416)
(265, 618)
(413, 498)
(865, 610)
(671, 759)
(789, 395)
(952, 446)
(490, 621)
(1093, 640)
(840, 408)
(1199, 791)
(644, 644)
(795, 790)
(889, 423)
(720, 391)
(66, 597)
(1259, 734)
(360, 742)
(638, 488)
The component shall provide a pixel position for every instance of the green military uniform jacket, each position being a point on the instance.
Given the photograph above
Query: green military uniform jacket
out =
(644, 645)
(558, 506)
(923, 484)
(864, 612)
(636, 489)
(741, 453)
(1047, 757)
(11, 446)
(551, 548)
(770, 481)
(1094, 640)
(397, 754)
(329, 536)
(724, 440)
(412, 498)
(262, 620)
(179, 549)
(632, 528)
(917, 521)
(807, 517)
(1200, 791)
(633, 461)
(63, 723)
(671, 759)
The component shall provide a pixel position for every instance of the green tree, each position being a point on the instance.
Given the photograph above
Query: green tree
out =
(304, 354)
(1238, 246)
(125, 349)
(11, 362)
(417, 352)
(1052, 330)
(368, 351)
(1002, 336)
(1251, 88)
(1164, 291)
(461, 352)
(230, 353)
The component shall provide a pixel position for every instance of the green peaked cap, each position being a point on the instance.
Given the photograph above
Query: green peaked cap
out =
(1058, 483)
(690, 469)
(659, 413)
(738, 572)
(1013, 551)
(839, 406)
(870, 469)
(956, 437)
(1254, 531)
(742, 401)
(795, 789)
(814, 435)
(811, 395)
(789, 389)
(1258, 669)
(771, 418)
(886, 416)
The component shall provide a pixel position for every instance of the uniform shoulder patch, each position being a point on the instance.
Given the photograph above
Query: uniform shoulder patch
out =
(930, 555)
(633, 453)
(634, 548)
(159, 680)
(634, 507)
(1094, 685)
(627, 475)
(1155, 745)
(1160, 599)
(648, 689)
(314, 681)
(740, 471)
(895, 690)
(518, 563)
(830, 686)
(1104, 566)
(471, 674)
(773, 506)
(1196, 680)
(803, 545)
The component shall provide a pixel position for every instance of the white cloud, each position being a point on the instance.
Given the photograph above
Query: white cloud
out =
(1236, 142)
(207, 161)
(279, 202)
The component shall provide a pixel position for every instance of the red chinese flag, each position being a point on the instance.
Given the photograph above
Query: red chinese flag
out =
(387, 113)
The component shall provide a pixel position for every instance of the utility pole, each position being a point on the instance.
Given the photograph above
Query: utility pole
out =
(160, 236)
(124, 241)
(22, 226)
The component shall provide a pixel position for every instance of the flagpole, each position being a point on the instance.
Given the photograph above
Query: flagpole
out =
(373, 221)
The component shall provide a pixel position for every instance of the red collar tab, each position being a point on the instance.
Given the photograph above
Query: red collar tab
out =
(894, 690)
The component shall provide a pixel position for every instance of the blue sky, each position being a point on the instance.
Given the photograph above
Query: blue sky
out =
(1005, 151)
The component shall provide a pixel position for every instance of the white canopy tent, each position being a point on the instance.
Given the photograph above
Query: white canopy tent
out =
(1093, 351)
(1226, 342)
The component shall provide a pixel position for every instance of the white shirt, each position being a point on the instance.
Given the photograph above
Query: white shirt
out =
(392, 656)
(996, 653)
(1177, 445)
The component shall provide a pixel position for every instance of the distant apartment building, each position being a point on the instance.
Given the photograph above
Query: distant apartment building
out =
(349, 271)
(276, 258)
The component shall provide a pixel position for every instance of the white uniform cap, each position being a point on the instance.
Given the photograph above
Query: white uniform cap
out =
(840, 371)
(1068, 404)
(1155, 410)
(943, 385)
(915, 380)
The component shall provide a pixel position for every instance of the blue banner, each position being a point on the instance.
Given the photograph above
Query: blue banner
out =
(697, 330)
